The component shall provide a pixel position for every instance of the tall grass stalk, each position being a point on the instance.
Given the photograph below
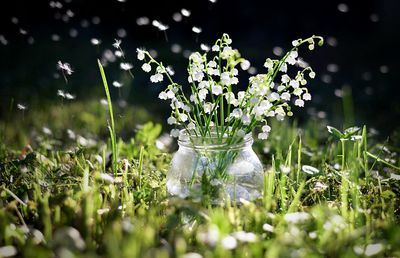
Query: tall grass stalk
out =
(365, 156)
(269, 186)
(111, 127)
(283, 191)
(141, 154)
(377, 159)
(14, 196)
(344, 183)
(296, 201)
(298, 161)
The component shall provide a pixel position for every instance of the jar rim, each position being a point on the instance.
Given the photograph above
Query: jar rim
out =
(213, 142)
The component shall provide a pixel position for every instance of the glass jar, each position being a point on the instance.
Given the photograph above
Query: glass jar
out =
(215, 167)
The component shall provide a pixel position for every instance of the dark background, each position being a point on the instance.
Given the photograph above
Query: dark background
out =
(361, 53)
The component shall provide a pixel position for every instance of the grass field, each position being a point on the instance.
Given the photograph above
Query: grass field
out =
(326, 193)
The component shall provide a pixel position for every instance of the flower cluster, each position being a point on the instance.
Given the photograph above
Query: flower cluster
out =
(213, 101)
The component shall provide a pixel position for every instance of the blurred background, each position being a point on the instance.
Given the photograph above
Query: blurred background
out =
(357, 68)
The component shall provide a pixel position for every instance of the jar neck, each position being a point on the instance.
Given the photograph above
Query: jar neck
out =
(213, 142)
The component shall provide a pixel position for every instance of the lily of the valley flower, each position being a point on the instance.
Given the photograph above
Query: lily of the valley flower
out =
(213, 100)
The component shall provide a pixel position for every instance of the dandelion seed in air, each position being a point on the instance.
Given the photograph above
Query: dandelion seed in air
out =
(197, 30)
(14, 20)
(326, 78)
(55, 37)
(278, 51)
(96, 20)
(104, 102)
(333, 68)
(119, 53)
(170, 70)
(176, 48)
(31, 40)
(85, 23)
(205, 47)
(177, 17)
(252, 70)
(3, 40)
(117, 43)
(73, 33)
(384, 69)
(153, 53)
(55, 4)
(21, 107)
(338, 93)
(374, 17)
(332, 41)
(126, 66)
(23, 31)
(121, 33)
(70, 13)
(65, 18)
(185, 12)
(95, 41)
(344, 8)
(109, 56)
(57, 16)
(161, 27)
(65, 95)
(141, 21)
(69, 96)
(65, 69)
(61, 93)
(117, 84)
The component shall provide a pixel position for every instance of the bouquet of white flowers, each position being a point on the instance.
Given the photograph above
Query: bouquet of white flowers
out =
(213, 102)
(216, 120)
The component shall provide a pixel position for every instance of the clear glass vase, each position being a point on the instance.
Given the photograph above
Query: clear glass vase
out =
(215, 167)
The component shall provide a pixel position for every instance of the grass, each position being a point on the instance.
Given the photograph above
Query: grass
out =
(111, 127)
(63, 198)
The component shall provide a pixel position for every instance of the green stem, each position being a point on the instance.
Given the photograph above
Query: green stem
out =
(113, 136)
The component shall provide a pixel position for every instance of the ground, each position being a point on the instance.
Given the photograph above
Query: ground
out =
(60, 197)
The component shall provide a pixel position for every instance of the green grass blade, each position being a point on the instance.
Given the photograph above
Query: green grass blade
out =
(112, 126)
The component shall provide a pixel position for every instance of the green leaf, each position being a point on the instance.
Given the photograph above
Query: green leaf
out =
(351, 131)
(149, 133)
(335, 132)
